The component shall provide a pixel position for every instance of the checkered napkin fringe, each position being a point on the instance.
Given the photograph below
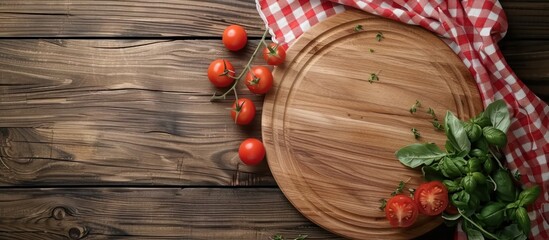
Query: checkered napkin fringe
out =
(472, 29)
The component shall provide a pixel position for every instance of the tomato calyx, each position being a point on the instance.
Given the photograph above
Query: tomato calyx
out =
(226, 71)
(238, 109)
(254, 81)
(272, 50)
(274, 54)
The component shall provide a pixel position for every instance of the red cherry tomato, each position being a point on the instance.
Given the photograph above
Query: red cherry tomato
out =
(431, 198)
(244, 112)
(259, 80)
(220, 72)
(251, 151)
(401, 211)
(234, 37)
(274, 54)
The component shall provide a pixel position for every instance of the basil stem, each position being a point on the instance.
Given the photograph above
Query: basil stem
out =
(477, 226)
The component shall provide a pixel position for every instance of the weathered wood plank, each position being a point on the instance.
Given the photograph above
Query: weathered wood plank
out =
(119, 112)
(155, 18)
(527, 19)
(169, 213)
(129, 18)
(529, 60)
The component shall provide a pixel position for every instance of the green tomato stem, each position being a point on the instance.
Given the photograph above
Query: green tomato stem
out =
(477, 226)
(246, 69)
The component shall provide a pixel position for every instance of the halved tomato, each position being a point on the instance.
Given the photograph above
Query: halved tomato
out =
(431, 198)
(401, 211)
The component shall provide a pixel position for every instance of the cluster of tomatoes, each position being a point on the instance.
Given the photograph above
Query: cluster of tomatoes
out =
(258, 79)
(430, 199)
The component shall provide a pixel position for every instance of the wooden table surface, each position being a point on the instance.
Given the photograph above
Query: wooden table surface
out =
(107, 131)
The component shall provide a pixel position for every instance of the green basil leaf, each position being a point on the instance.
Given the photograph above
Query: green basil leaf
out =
(450, 168)
(452, 186)
(483, 191)
(522, 219)
(461, 200)
(494, 136)
(461, 164)
(512, 232)
(456, 133)
(431, 174)
(473, 234)
(482, 120)
(493, 214)
(499, 115)
(506, 190)
(474, 202)
(418, 154)
(528, 196)
(477, 152)
(489, 165)
(474, 131)
(448, 146)
(482, 144)
(469, 184)
(479, 177)
(474, 164)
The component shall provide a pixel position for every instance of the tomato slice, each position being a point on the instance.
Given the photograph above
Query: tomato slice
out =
(401, 211)
(431, 198)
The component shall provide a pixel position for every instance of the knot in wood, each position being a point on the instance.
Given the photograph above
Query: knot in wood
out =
(59, 213)
(76, 233)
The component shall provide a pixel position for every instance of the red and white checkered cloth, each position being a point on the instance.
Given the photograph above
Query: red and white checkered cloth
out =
(471, 29)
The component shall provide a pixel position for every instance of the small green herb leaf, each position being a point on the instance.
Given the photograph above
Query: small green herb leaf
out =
(373, 78)
(431, 112)
(437, 125)
(301, 237)
(418, 154)
(414, 107)
(399, 188)
(280, 237)
(435, 121)
(358, 28)
(383, 202)
(416, 133)
(379, 36)
(277, 237)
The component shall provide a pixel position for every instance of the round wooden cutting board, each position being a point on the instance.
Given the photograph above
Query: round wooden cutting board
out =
(331, 135)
